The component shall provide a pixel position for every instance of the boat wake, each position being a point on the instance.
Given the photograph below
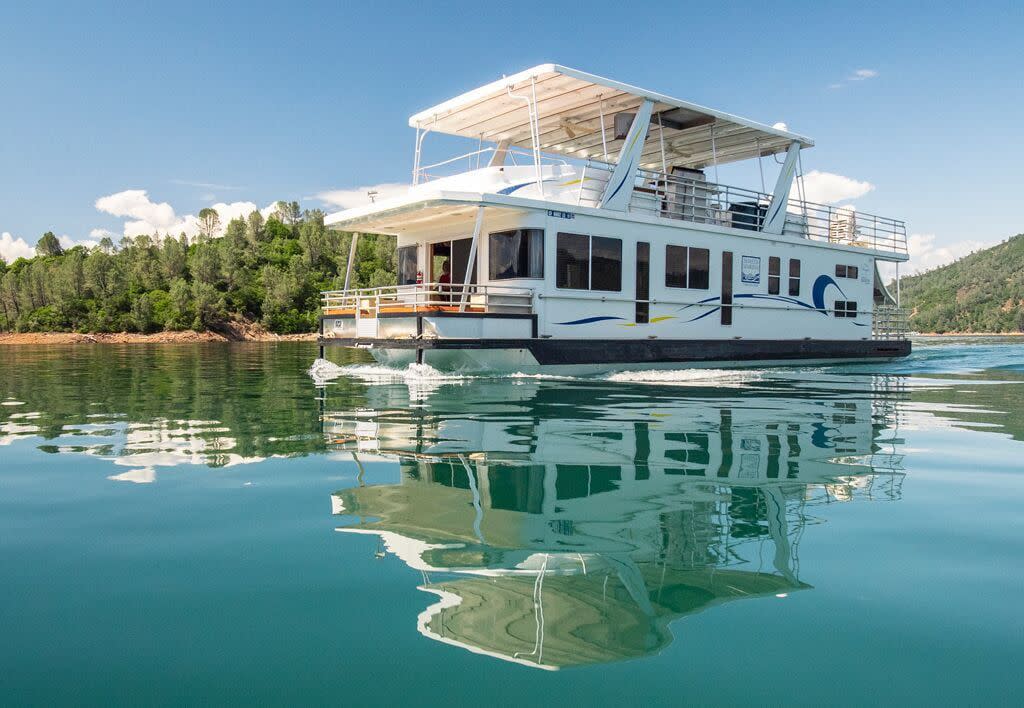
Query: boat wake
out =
(323, 371)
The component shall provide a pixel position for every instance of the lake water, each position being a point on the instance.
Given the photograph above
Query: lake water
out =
(212, 524)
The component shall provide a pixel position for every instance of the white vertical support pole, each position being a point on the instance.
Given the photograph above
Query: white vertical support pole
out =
(661, 142)
(897, 284)
(472, 257)
(714, 152)
(416, 157)
(604, 139)
(760, 164)
(800, 187)
(535, 131)
(351, 259)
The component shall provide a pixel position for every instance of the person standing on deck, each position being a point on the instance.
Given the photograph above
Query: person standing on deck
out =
(445, 279)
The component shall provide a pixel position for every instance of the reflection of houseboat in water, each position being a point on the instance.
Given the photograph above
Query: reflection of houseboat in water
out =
(554, 536)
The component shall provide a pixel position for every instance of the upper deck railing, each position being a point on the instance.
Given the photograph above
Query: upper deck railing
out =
(698, 201)
(475, 160)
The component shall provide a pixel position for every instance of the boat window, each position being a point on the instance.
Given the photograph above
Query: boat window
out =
(605, 263)
(516, 254)
(588, 262)
(700, 265)
(687, 267)
(846, 308)
(572, 262)
(726, 309)
(794, 276)
(774, 275)
(407, 265)
(846, 271)
(643, 282)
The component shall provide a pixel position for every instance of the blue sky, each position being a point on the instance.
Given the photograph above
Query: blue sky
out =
(206, 103)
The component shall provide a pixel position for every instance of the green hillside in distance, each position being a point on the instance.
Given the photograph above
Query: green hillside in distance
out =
(981, 292)
(262, 271)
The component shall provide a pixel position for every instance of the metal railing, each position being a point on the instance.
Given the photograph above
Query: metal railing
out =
(425, 297)
(475, 160)
(699, 201)
(889, 322)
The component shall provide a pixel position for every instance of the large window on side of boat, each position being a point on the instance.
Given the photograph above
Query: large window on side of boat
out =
(687, 267)
(774, 275)
(572, 262)
(407, 265)
(847, 271)
(605, 263)
(794, 277)
(588, 262)
(516, 254)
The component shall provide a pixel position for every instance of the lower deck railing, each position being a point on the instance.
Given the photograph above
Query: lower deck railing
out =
(889, 322)
(427, 297)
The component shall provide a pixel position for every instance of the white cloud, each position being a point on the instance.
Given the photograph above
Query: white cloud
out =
(66, 242)
(348, 198)
(862, 75)
(101, 233)
(857, 75)
(830, 188)
(925, 254)
(144, 216)
(11, 249)
(136, 203)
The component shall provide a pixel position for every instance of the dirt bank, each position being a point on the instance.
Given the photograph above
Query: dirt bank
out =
(157, 338)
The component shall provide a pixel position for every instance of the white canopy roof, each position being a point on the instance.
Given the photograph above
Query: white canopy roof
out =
(570, 104)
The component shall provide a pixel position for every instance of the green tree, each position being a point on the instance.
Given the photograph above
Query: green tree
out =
(209, 221)
(49, 245)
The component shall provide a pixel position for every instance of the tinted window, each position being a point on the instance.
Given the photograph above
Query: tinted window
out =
(794, 276)
(572, 263)
(643, 282)
(687, 267)
(774, 274)
(516, 254)
(700, 263)
(407, 265)
(605, 263)
(675, 266)
(846, 308)
(726, 288)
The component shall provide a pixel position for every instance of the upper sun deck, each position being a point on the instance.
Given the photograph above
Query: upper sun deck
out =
(579, 115)
(559, 136)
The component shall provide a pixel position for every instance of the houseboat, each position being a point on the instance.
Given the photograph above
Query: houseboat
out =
(588, 230)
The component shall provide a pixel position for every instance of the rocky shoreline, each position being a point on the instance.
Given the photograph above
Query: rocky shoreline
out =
(185, 337)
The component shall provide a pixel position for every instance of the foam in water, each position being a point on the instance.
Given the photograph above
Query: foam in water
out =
(688, 377)
(323, 371)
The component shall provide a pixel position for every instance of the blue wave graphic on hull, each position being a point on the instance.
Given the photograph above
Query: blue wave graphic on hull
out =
(589, 320)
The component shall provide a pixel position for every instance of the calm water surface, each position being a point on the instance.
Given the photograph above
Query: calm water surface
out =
(212, 524)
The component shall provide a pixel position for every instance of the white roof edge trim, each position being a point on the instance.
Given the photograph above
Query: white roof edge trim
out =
(425, 117)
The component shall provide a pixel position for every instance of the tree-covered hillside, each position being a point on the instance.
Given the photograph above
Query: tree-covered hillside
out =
(982, 292)
(270, 272)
